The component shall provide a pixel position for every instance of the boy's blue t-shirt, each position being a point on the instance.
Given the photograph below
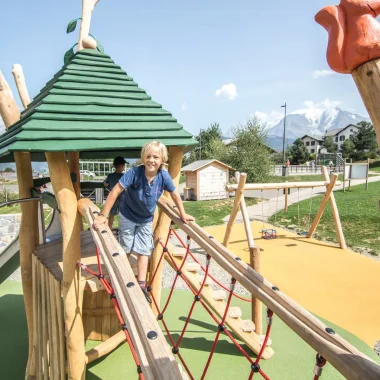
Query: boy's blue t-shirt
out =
(140, 198)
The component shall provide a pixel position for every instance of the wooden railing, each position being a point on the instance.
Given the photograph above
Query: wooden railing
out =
(350, 362)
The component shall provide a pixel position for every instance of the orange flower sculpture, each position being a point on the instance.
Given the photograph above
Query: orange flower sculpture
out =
(354, 33)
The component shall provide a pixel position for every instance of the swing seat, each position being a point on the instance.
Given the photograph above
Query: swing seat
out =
(269, 233)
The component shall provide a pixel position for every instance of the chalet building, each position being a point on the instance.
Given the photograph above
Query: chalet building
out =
(341, 134)
(313, 143)
(206, 179)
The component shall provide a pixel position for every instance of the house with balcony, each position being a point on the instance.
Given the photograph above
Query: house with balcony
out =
(313, 143)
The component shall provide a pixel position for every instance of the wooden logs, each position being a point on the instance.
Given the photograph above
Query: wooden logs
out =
(70, 222)
(350, 362)
(161, 231)
(73, 158)
(325, 199)
(335, 213)
(284, 185)
(156, 358)
(367, 80)
(106, 347)
(257, 307)
(235, 208)
(87, 8)
(18, 74)
(29, 221)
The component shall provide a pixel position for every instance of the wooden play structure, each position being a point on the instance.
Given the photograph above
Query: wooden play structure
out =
(240, 203)
(91, 108)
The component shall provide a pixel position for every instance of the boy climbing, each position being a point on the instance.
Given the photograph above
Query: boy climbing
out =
(110, 182)
(143, 186)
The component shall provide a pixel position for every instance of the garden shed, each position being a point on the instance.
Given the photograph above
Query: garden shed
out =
(206, 179)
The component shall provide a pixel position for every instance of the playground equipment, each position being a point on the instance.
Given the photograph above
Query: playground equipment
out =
(329, 196)
(355, 171)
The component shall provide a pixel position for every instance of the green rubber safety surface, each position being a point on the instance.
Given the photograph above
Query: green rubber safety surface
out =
(293, 358)
(98, 97)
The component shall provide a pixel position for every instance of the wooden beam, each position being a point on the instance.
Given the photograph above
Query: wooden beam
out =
(367, 80)
(235, 208)
(350, 362)
(335, 213)
(70, 222)
(162, 228)
(284, 185)
(29, 221)
(73, 158)
(156, 358)
(325, 199)
(18, 74)
(244, 213)
(105, 348)
(257, 307)
(87, 8)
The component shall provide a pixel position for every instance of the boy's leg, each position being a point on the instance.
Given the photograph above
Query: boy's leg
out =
(142, 267)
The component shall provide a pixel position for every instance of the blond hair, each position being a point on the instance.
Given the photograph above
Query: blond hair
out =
(155, 145)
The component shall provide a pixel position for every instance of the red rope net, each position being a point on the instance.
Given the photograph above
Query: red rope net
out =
(220, 322)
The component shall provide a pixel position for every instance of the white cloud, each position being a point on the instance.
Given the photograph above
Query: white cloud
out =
(325, 104)
(269, 118)
(227, 91)
(185, 106)
(322, 73)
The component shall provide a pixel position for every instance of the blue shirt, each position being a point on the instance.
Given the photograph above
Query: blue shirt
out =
(140, 198)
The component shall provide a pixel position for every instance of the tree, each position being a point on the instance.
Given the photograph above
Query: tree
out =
(218, 150)
(348, 147)
(206, 144)
(329, 144)
(299, 152)
(364, 138)
(249, 152)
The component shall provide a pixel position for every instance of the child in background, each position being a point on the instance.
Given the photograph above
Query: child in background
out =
(110, 182)
(143, 186)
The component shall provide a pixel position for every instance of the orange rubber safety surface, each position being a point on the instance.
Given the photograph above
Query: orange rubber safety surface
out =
(339, 285)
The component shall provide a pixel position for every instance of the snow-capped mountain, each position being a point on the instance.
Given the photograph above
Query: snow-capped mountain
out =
(314, 121)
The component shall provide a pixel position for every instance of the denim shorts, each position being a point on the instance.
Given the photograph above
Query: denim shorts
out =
(135, 237)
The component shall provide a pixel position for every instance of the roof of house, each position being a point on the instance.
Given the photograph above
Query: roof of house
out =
(336, 131)
(196, 165)
(91, 105)
(318, 138)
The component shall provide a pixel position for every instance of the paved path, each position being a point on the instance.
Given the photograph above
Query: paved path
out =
(275, 200)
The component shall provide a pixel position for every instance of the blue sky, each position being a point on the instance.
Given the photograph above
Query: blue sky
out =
(204, 61)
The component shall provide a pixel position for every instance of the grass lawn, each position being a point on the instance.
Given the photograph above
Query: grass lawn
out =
(211, 213)
(359, 214)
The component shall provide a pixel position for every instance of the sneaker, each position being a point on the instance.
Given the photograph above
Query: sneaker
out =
(146, 294)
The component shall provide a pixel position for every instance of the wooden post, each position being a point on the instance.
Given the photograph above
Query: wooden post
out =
(257, 316)
(162, 229)
(87, 8)
(70, 222)
(344, 176)
(366, 177)
(367, 79)
(322, 206)
(106, 347)
(73, 158)
(29, 221)
(238, 197)
(286, 200)
(335, 213)
(350, 174)
(18, 74)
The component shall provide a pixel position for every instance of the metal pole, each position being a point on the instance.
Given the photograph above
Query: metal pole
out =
(200, 144)
(283, 140)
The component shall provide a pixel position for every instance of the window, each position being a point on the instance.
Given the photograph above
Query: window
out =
(342, 138)
(307, 143)
(312, 150)
(312, 143)
(351, 130)
(336, 138)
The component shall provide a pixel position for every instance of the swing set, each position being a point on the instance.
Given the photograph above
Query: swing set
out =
(271, 232)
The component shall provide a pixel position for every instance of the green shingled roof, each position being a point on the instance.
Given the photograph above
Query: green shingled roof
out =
(91, 105)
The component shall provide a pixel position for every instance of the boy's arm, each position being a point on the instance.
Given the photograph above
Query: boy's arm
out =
(178, 202)
(103, 216)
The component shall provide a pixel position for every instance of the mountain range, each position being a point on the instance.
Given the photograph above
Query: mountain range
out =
(310, 121)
